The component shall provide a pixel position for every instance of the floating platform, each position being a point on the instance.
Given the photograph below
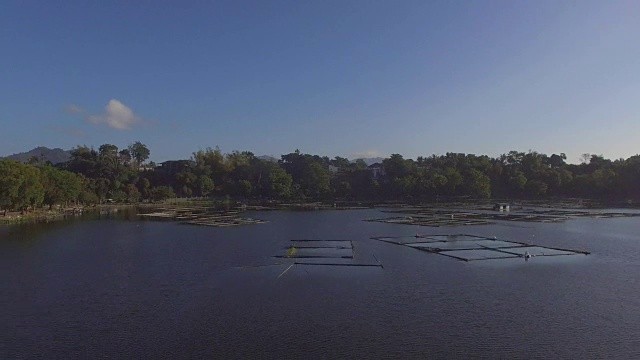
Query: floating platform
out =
(467, 247)
(433, 221)
(201, 217)
(319, 249)
(488, 216)
(590, 214)
(223, 222)
(320, 252)
(441, 217)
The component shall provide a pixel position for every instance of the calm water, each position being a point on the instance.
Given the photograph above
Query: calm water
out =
(131, 289)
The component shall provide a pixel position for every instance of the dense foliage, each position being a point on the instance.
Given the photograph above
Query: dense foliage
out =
(113, 175)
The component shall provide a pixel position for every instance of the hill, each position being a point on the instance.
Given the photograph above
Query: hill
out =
(55, 156)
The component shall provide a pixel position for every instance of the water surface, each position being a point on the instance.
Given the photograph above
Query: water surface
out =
(131, 289)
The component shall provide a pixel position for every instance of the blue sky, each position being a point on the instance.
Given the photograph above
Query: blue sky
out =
(347, 78)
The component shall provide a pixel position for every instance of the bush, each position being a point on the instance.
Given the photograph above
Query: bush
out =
(160, 193)
(88, 198)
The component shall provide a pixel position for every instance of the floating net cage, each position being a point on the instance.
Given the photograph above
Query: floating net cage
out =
(573, 213)
(317, 252)
(234, 221)
(434, 221)
(467, 247)
(320, 254)
(202, 217)
(444, 217)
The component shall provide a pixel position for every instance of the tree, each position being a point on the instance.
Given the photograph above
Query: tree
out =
(294, 164)
(429, 183)
(90, 176)
(31, 193)
(144, 185)
(53, 184)
(72, 186)
(362, 183)
(101, 188)
(20, 186)
(478, 184)
(360, 165)
(139, 152)
(342, 188)
(109, 160)
(454, 180)
(245, 188)
(84, 160)
(125, 157)
(602, 181)
(341, 163)
(517, 181)
(536, 188)
(210, 162)
(133, 195)
(280, 184)
(186, 191)
(309, 173)
(315, 180)
(160, 193)
(557, 161)
(204, 185)
(10, 183)
(185, 182)
(584, 158)
(396, 166)
(117, 196)
(403, 186)
(87, 197)
(108, 151)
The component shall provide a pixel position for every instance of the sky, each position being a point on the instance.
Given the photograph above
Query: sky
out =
(336, 78)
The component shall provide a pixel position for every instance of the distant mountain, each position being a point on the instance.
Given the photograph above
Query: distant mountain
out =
(267, 158)
(56, 155)
(371, 161)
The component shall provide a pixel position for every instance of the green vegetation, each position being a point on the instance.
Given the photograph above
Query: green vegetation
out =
(121, 176)
(292, 252)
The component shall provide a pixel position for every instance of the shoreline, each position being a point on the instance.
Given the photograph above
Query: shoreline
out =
(47, 215)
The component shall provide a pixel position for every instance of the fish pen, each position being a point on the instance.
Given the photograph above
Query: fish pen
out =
(529, 215)
(467, 247)
(436, 218)
(322, 253)
(202, 217)
(318, 249)
(590, 214)
(223, 222)
(433, 221)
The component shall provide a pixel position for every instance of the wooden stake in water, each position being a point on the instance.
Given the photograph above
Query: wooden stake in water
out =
(285, 270)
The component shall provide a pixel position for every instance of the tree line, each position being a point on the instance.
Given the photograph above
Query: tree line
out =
(109, 174)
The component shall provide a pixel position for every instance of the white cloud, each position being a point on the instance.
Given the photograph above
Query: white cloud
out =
(116, 115)
(73, 109)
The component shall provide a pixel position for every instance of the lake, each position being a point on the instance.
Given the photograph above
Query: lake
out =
(122, 288)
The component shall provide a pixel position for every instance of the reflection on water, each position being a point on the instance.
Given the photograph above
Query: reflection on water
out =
(131, 289)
